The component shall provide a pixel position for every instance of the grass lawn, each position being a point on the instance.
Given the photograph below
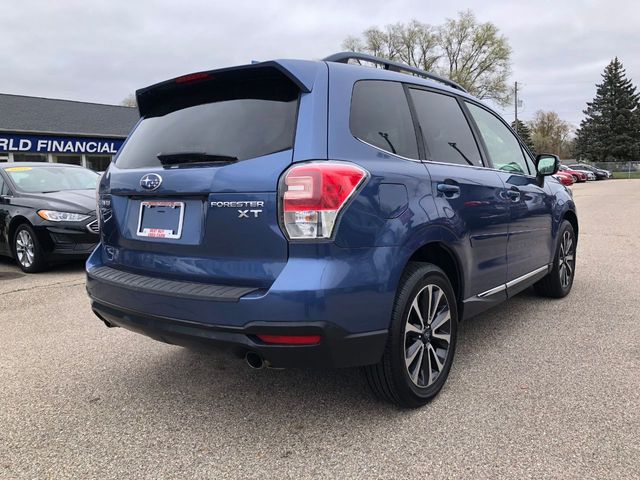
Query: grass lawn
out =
(625, 175)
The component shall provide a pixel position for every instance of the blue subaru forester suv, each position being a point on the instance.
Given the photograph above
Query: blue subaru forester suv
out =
(321, 213)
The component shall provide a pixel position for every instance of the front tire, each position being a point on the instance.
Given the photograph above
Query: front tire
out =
(422, 339)
(558, 282)
(27, 249)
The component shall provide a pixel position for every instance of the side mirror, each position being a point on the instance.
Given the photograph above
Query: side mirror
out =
(547, 164)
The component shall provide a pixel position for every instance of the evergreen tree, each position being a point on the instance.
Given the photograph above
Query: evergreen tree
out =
(611, 128)
(524, 132)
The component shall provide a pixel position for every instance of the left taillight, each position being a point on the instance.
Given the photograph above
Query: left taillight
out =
(312, 195)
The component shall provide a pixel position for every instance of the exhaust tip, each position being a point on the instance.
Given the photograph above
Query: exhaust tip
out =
(254, 360)
(104, 320)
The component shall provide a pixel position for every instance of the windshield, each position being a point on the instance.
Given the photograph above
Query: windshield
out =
(42, 179)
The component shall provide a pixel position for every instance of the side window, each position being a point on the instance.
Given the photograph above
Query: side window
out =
(502, 145)
(380, 116)
(447, 134)
(3, 188)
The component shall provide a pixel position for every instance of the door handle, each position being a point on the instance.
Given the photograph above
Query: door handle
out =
(448, 189)
(514, 194)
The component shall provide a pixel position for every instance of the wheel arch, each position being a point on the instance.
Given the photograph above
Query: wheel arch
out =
(13, 226)
(572, 218)
(440, 255)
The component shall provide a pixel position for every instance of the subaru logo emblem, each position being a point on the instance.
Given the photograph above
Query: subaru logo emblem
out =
(150, 181)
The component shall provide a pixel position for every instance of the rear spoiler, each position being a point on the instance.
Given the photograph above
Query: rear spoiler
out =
(167, 95)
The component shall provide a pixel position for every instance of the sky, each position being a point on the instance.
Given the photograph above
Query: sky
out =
(102, 51)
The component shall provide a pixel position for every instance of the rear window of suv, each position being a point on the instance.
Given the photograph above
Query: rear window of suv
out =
(381, 117)
(247, 122)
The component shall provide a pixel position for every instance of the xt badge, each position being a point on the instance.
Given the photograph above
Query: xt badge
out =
(246, 209)
(245, 213)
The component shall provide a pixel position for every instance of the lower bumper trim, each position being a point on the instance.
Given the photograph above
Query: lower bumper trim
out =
(337, 348)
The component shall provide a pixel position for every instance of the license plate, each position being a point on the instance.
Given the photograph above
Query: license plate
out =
(160, 219)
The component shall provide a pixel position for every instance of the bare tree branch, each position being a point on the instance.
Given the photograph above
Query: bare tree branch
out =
(470, 53)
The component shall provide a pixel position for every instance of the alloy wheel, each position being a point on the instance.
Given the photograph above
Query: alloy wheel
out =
(566, 259)
(25, 248)
(427, 336)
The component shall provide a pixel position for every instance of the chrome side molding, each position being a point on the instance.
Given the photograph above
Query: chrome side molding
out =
(513, 282)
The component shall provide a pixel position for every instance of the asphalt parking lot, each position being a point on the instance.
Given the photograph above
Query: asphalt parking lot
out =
(539, 388)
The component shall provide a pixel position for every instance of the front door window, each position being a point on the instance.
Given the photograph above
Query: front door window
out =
(502, 145)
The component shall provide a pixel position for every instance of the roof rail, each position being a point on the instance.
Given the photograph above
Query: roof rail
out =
(344, 57)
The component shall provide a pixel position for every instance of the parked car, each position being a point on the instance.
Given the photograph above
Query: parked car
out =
(325, 214)
(599, 173)
(564, 178)
(47, 213)
(578, 175)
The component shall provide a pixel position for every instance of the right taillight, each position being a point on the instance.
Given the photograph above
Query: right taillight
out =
(313, 194)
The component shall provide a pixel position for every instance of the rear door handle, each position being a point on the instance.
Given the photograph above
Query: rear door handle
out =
(514, 194)
(448, 189)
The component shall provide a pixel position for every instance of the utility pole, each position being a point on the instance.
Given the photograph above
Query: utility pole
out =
(516, 106)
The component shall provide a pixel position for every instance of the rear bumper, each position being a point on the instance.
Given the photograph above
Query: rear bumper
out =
(337, 348)
(348, 304)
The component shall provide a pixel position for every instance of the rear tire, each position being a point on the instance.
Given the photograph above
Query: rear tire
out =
(558, 282)
(422, 339)
(27, 250)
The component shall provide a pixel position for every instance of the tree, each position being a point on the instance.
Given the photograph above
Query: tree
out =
(129, 101)
(473, 54)
(525, 133)
(476, 56)
(611, 128)
(550, 134)
(413, 43)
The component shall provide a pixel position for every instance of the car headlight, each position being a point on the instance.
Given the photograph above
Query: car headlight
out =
(54, 216)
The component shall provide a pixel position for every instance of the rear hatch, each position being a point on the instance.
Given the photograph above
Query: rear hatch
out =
(192, 194)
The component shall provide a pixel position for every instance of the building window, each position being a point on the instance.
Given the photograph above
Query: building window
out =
(29, 157)
(99, 163)
(68, 159)
(4, 158)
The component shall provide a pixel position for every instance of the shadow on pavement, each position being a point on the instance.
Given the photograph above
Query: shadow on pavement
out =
(206, 383)
(9, 265)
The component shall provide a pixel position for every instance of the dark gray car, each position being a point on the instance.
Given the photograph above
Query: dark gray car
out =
(47, 213)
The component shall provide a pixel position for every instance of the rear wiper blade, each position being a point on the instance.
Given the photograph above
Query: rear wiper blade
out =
(179, 158)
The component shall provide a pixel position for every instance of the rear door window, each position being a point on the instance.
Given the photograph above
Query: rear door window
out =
(381, 117)
(447, 134)
(248, 122)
